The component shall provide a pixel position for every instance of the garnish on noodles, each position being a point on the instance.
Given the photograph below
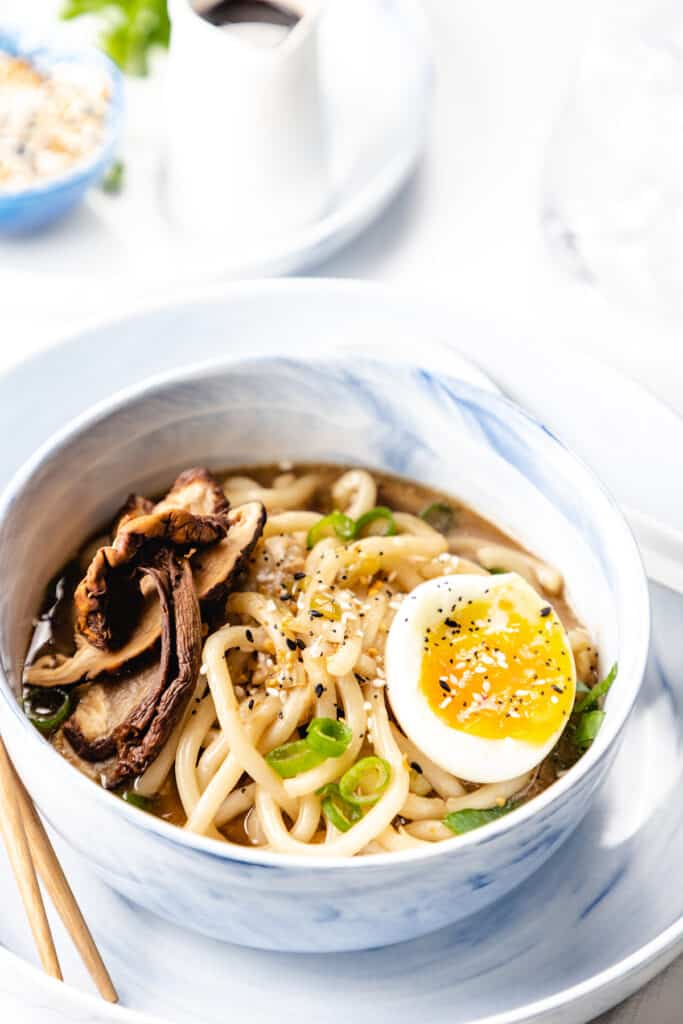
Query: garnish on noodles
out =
(314, 660)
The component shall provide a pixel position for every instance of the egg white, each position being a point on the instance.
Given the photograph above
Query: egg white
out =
(469, 757)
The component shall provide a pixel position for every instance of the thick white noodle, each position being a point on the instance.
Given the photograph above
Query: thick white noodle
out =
(442, 782)
(493, 794)
(329, 664)
(499, 556)
(413, 524)
(376, 819)
(239, 489)
(355, 493)
(224, 780)
(333, 767)
(290, 522)
(428, 831)
(227, 711)
(418, 807)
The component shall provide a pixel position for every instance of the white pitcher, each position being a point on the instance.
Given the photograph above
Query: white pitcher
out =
(246, 155)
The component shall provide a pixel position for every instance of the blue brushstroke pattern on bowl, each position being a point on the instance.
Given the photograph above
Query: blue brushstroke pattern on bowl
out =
(29, 209)
(380, 413)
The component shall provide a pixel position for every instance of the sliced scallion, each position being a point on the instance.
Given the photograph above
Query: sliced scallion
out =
(591, 699)
(439, 515)
(325, 606)
(328, 736)
(588, 727)
(143, 803)
(364, 783)
(380, 512)
(335, 523)
(47, 708)
(293, 758)
(336, 809)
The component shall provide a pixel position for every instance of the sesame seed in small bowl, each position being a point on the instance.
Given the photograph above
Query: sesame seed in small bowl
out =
(60, 119)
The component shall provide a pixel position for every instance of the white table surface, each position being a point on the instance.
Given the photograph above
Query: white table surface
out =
(468, 227)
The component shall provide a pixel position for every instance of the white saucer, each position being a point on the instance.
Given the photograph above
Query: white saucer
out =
(601, 918)
(377, 78)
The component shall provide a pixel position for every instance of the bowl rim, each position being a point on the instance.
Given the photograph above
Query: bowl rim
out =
(637, 640)
(13, 41)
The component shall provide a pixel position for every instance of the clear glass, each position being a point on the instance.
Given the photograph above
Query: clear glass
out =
(613, 191)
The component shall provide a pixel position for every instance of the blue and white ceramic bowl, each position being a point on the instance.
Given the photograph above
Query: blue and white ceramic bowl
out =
(392, 416)
(30, 208)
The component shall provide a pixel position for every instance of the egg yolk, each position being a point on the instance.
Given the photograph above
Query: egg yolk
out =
(494, 670)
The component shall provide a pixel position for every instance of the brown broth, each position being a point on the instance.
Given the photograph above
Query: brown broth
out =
(54, 632)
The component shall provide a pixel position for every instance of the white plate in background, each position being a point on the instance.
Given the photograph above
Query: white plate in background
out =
(377, 79)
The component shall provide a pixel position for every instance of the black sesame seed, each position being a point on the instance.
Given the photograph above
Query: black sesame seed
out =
(250, 636)
(319, 690)
(545, 611)
(292, 644)
(416, 767)
(340, 712)
(299, 575)
(315, 614)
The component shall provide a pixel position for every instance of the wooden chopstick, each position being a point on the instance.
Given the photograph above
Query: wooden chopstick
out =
(16, 843)
(45, 859)
(54, 879)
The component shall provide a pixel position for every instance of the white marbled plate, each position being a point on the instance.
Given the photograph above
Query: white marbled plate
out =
(603, 915)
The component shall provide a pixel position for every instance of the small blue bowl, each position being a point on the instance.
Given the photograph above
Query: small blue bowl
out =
(27, 209)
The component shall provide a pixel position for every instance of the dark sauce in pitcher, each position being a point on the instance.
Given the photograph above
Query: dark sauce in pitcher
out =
(247, 13)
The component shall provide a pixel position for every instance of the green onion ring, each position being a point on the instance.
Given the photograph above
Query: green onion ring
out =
(439, 515)
(357, 785)
(379, 512)
(328, 737)
(129, 796)
(335, 522)
(336, 809)
(293, 758)
(47, 708)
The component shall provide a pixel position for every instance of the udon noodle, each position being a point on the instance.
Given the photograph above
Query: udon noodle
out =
(303, 637)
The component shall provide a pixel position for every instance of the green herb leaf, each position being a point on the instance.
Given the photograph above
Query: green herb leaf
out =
(497, 572)
(587, 728)
(130, 28)
(466, 820)
(112, 182)
(591, 699)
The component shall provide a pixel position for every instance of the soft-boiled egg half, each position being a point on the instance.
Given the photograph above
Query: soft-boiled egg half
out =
(480, 674)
